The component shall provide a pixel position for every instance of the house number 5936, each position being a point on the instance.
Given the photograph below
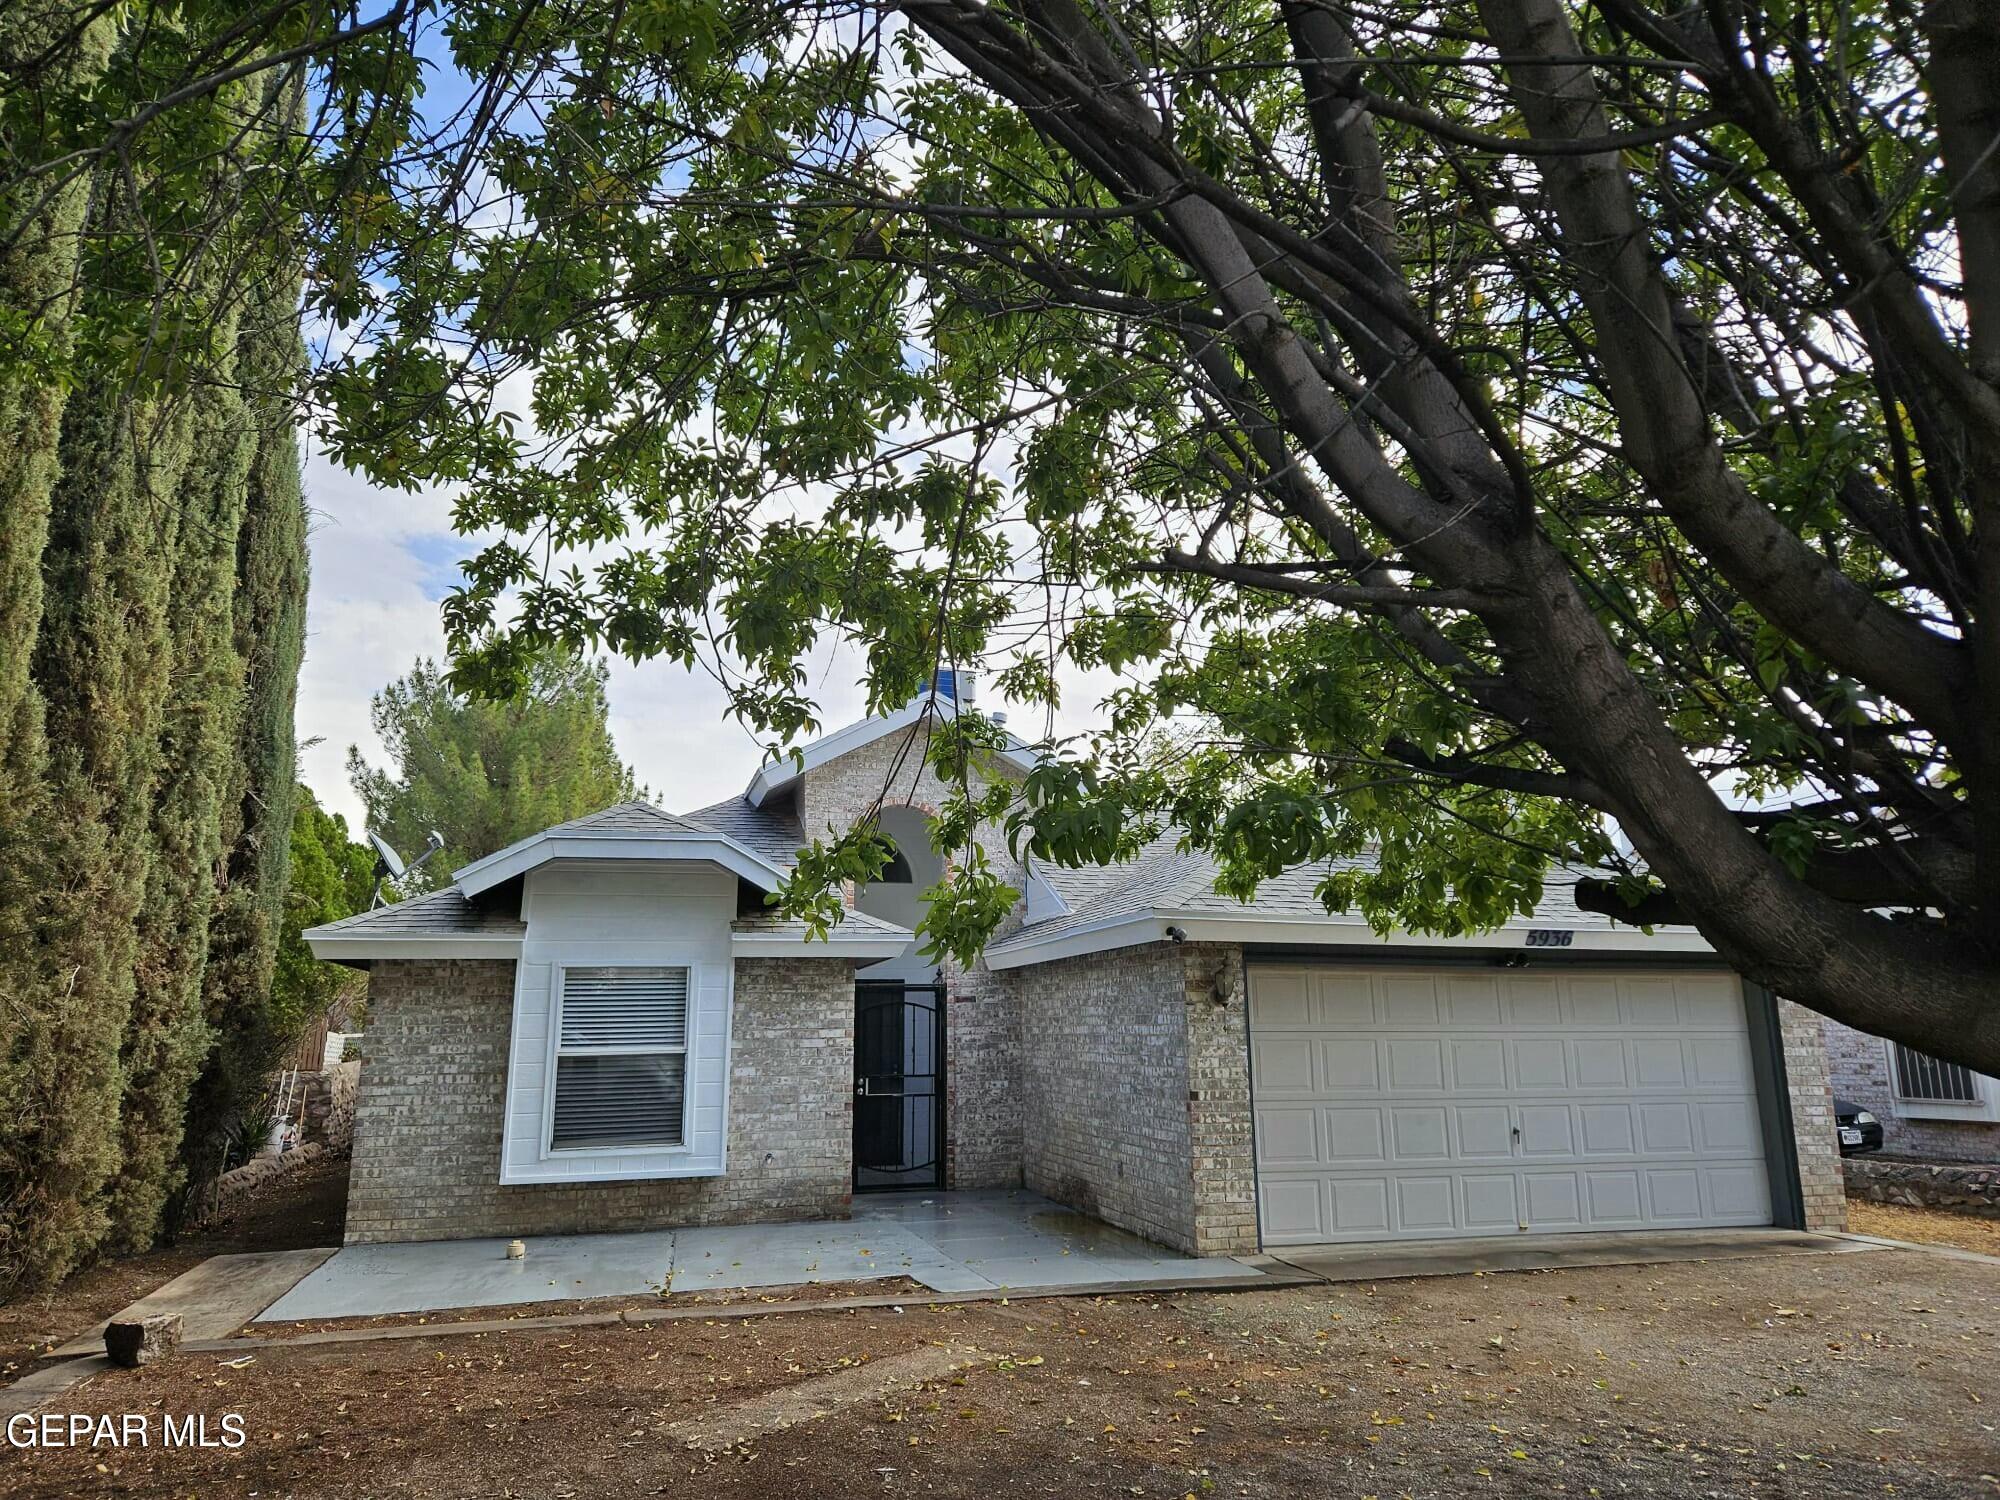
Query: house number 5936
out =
(1549, 937)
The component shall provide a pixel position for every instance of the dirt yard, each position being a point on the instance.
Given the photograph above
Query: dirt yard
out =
(302, 1211)
(1924, 1226)
(1873, 1374)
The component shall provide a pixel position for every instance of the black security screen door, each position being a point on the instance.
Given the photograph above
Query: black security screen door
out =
(898, 1085)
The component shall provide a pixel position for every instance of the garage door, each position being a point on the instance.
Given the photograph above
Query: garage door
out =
(1395, 1103)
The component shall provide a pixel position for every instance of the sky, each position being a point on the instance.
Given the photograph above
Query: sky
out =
(381, 563)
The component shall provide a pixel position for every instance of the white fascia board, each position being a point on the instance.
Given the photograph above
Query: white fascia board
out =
(1127, 930)
(705, 848)
(779, 774)
(1308, 931)
(871, 946)
(373, 945)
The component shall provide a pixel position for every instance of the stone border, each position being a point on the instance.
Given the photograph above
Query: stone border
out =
(239, 1185)
(1954, 1188)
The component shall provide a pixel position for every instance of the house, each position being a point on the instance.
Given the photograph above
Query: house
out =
(604, 1027)
(1928, 1108)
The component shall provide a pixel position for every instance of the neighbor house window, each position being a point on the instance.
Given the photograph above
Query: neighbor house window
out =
(1921, 1076)
(621, 1059)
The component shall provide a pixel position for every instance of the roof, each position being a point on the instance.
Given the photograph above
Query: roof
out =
(443, 924)
(1098, 908)
(639, 831)
(776, 775)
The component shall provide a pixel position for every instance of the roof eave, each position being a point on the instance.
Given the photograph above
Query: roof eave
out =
(1308, 931)
(366, 947)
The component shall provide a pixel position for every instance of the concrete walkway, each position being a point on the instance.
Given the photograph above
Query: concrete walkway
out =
(949, 1242)
(216, 1297)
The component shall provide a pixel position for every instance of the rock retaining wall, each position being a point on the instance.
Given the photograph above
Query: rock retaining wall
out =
(329, 1107)
(1922, 1184)
(234, 1188)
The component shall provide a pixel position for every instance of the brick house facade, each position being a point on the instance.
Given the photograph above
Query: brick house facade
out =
(1098, 1053)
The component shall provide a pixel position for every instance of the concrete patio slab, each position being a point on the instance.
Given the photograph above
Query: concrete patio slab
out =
(365, 1281)
(1542, 1252)
(947, 1242)
(215, 1298)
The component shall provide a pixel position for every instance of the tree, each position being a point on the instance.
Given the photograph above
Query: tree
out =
(484, 773)
(137, 411)
(332, 877)
(1469, 430)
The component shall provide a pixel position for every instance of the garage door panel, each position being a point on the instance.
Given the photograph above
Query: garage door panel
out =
(1541, 1063)
(1416, 1065)
(1289, 1135)
(1739, 1192)
(1485, 1130)
(1719, 1062)
(1293, 1210)
(1555, 1199)
(1424, 1204)
(1491, 1203)
(1359, 1208)
(1607, 1129)
(1593, 1002)
(1651, 1004)
(1345, 1000)
(1546, 1130)
(1666, 1130)
(1419, 1134)
(1614, 1199)
(1478, 1065)
(1674, 1195)
(1727, 1128)
(1354, 1136)
(1284, 1066)
(1350, 1064)
(1601, 1063)
(1438, 1103)
(1473, 1001)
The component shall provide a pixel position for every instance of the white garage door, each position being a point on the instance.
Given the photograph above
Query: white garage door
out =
(1396, 1103)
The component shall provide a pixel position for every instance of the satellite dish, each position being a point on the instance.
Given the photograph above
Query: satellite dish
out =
(392, 862)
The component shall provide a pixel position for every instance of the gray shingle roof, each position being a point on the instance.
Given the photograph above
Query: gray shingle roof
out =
(442, 913)
(770, 833)
(626, 817)
(1163, 877)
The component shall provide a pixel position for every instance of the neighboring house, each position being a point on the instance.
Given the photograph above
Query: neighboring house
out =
(1928, 1108)
(603, 1027)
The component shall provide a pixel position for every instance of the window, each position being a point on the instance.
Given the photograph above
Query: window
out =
(1921, 1076)
(896, 871)
(621, 1059)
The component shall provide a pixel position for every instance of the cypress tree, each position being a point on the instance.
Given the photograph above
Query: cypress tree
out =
(259, 803)
(166, 1036)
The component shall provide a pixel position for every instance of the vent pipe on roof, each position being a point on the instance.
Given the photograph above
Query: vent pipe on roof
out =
(956, 687)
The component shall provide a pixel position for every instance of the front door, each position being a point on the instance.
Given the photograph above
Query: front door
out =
(898, 1085)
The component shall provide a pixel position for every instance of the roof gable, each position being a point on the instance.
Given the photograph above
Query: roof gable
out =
(774, 776)
(626, 831)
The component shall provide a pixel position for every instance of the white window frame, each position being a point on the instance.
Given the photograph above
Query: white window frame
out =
(1983, 1110)
(686, 1051)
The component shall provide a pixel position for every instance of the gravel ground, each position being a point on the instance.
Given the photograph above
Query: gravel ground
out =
(1873, 1374)
(1924, 1226)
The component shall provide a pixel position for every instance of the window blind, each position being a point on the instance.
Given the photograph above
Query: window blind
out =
(621, 1059)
